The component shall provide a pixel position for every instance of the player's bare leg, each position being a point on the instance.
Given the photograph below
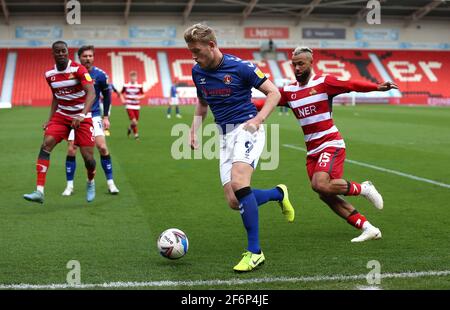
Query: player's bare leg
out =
(105, 157)
(70, 168)
(338, 205)
(42, 165)
(133, 128)
(323, 184)
(88, 155)
(328, 190)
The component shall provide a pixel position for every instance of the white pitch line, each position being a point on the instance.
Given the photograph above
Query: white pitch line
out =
(406, 175)
(229, 282)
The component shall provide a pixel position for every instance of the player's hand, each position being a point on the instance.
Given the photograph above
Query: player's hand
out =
(387, 86)
(76, 121)
(252, 125)
(193, 141)
(105, 122)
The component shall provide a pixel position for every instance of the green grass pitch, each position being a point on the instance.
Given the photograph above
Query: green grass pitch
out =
(114, 238)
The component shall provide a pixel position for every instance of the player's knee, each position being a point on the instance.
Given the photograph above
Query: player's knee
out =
(319, 186)
(48, 144)
(237, 185)
(103, 149)
(72, 151)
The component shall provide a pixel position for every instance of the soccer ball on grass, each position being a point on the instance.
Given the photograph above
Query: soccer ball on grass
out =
(173, 243)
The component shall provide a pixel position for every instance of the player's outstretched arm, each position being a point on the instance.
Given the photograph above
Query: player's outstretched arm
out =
(201, 110)
(272, 98)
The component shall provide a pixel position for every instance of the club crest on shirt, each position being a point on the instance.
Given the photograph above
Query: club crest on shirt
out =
(227, 79)
(313, 92)
(293, 96)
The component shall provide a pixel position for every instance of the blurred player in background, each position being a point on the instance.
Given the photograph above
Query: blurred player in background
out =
(73, 96)
(102, 89)
(173, 101)
(224, 83)
(310, 98)
(131, 96)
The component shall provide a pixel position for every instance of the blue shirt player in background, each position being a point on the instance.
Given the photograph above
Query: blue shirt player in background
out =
(173, 101)
(224, 83)
(102, 87)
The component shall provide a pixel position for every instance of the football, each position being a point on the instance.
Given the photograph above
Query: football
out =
(173, 243)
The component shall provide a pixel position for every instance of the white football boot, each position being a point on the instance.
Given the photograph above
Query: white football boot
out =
(112, 189)
(68, 191)
(370, 232)
(369, 191)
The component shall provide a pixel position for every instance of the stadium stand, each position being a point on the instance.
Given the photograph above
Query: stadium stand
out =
(420, 75)
(3, 55)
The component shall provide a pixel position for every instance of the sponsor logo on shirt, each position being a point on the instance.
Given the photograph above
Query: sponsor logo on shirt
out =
(222, 92)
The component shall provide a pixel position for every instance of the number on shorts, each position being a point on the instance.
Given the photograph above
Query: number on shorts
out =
(324, 159)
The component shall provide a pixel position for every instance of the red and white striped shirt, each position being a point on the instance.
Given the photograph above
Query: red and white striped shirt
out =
(132, 92)
(312, 105)
(67, 88)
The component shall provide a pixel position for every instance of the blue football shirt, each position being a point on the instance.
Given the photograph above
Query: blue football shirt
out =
(228, 89)
(101, 86)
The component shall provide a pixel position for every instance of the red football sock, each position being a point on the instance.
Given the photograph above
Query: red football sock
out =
(41, 169)
(356, 219)
(354, 189)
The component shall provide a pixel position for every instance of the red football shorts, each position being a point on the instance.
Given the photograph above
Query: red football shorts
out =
(330, 160)
(59, 128)
(133, 114)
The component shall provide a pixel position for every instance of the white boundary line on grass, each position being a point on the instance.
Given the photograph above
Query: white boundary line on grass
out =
(406, 175)
(227, 282)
